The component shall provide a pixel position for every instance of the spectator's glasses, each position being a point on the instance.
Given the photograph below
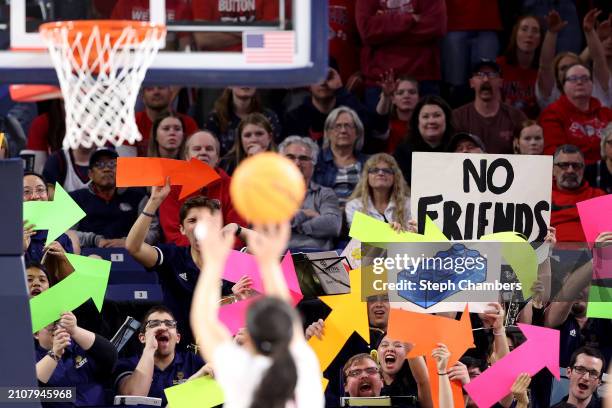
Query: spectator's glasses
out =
(109, 164)
(358, 371)
(340, 126)
(580, 370)
(302, 158)
(384, 170)
(577, 78)
(39, 191)
(151, 324)
(567, 165)
(487, 74)
(609, 142)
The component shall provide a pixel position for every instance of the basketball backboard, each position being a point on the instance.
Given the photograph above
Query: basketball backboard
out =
(210, 42)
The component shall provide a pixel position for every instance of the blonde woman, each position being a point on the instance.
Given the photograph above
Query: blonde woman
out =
(381, 193)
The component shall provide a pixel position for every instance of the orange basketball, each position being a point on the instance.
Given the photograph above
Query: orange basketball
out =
(267, 188)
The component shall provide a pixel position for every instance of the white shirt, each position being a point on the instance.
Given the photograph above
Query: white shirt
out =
(355, 205)
(239, 373)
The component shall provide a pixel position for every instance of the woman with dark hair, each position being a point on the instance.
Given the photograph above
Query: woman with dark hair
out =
(519, 65)
(37, 278)
(47, 131)
(234, 105)
(275, 368)
(255, 137)
(431, 128)
(167, 138)
(398, 99)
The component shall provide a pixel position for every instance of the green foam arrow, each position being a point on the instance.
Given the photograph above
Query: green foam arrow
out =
(57, 216)
(367, 229)
(600, 302)
(206, 391)
(88, 280)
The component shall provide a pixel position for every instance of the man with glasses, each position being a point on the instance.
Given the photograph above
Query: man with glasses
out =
(494, 121)
(586, 368)
(569, 188)
(576, 117)
(110, 210)
(362, 376)
(161, 365)
(319, 220)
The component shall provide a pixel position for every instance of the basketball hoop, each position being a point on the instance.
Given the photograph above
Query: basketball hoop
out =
(100, 65)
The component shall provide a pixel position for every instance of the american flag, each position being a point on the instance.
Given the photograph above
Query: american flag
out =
(275, 47)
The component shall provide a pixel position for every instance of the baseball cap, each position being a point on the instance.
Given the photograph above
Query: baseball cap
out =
(458, 137)
(484, 62)
(98, 154)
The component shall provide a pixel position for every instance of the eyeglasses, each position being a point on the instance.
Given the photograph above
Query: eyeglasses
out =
(576, 78)
(487, 74)
(27, 192)
(567, 165)
(580, 370)
(383, 170)
(151, 324)
(357, 372)
(339, 126)
(609, 142)
(109, 164)
(303, 159)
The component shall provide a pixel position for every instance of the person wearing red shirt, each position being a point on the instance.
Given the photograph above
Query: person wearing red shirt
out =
(157, 100)
(398, 100)
(236, 12)
(576, 117)
(344, 41)
(402, 35)
(203, 146)
(472, 35)
(520, 66)
(569, 188)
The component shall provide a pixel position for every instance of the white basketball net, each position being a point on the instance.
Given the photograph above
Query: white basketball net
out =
(100, 78)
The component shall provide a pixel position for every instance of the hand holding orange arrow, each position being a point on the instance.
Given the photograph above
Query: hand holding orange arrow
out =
(456, 335)
(152, 171)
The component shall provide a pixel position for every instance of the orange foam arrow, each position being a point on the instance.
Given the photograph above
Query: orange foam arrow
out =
(349, 314)
(424, 331)
(152, 171)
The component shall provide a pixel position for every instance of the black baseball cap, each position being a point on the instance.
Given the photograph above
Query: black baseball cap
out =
(458, 137)
(98, 154)
(484, 62)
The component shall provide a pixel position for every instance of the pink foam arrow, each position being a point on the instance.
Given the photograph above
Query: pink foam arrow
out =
(234, 314)
(540, 350)
(240, 264)
(591, 212)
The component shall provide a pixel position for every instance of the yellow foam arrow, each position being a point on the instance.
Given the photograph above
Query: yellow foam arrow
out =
(349, 314)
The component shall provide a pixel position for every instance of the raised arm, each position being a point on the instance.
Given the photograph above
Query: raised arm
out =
(601, 73)
(139, 381)
(546, 72)
(47, 365)
(215, 246)
(441, 355)
(421, 376)
(135, 242)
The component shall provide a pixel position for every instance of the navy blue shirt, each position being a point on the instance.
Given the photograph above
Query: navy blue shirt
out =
(178, 275)
(595, 333)
(37, 243)
(111, 219)
(184, 365)
(77, 369)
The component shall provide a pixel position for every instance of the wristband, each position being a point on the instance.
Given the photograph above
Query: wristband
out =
(147, 214)
(54, 356)
(500, 333)
(238, 231)
(442, 373)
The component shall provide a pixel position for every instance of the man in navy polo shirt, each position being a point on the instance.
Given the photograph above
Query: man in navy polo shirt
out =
(161, 365)
(178, 267)
(585, 370)
(35, 189)
(110, 210)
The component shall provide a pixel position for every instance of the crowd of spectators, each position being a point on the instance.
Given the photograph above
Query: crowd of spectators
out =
(473, 76)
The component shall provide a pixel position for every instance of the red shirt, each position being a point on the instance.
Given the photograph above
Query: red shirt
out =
(176, 10)
(170, 207)
(39, 133)
(145, 124)
(564, 216)
(397, 132)
(518, 89)
(473, 15)
(344, 42)
(564, 123)
(393, 39)
(235, 12)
